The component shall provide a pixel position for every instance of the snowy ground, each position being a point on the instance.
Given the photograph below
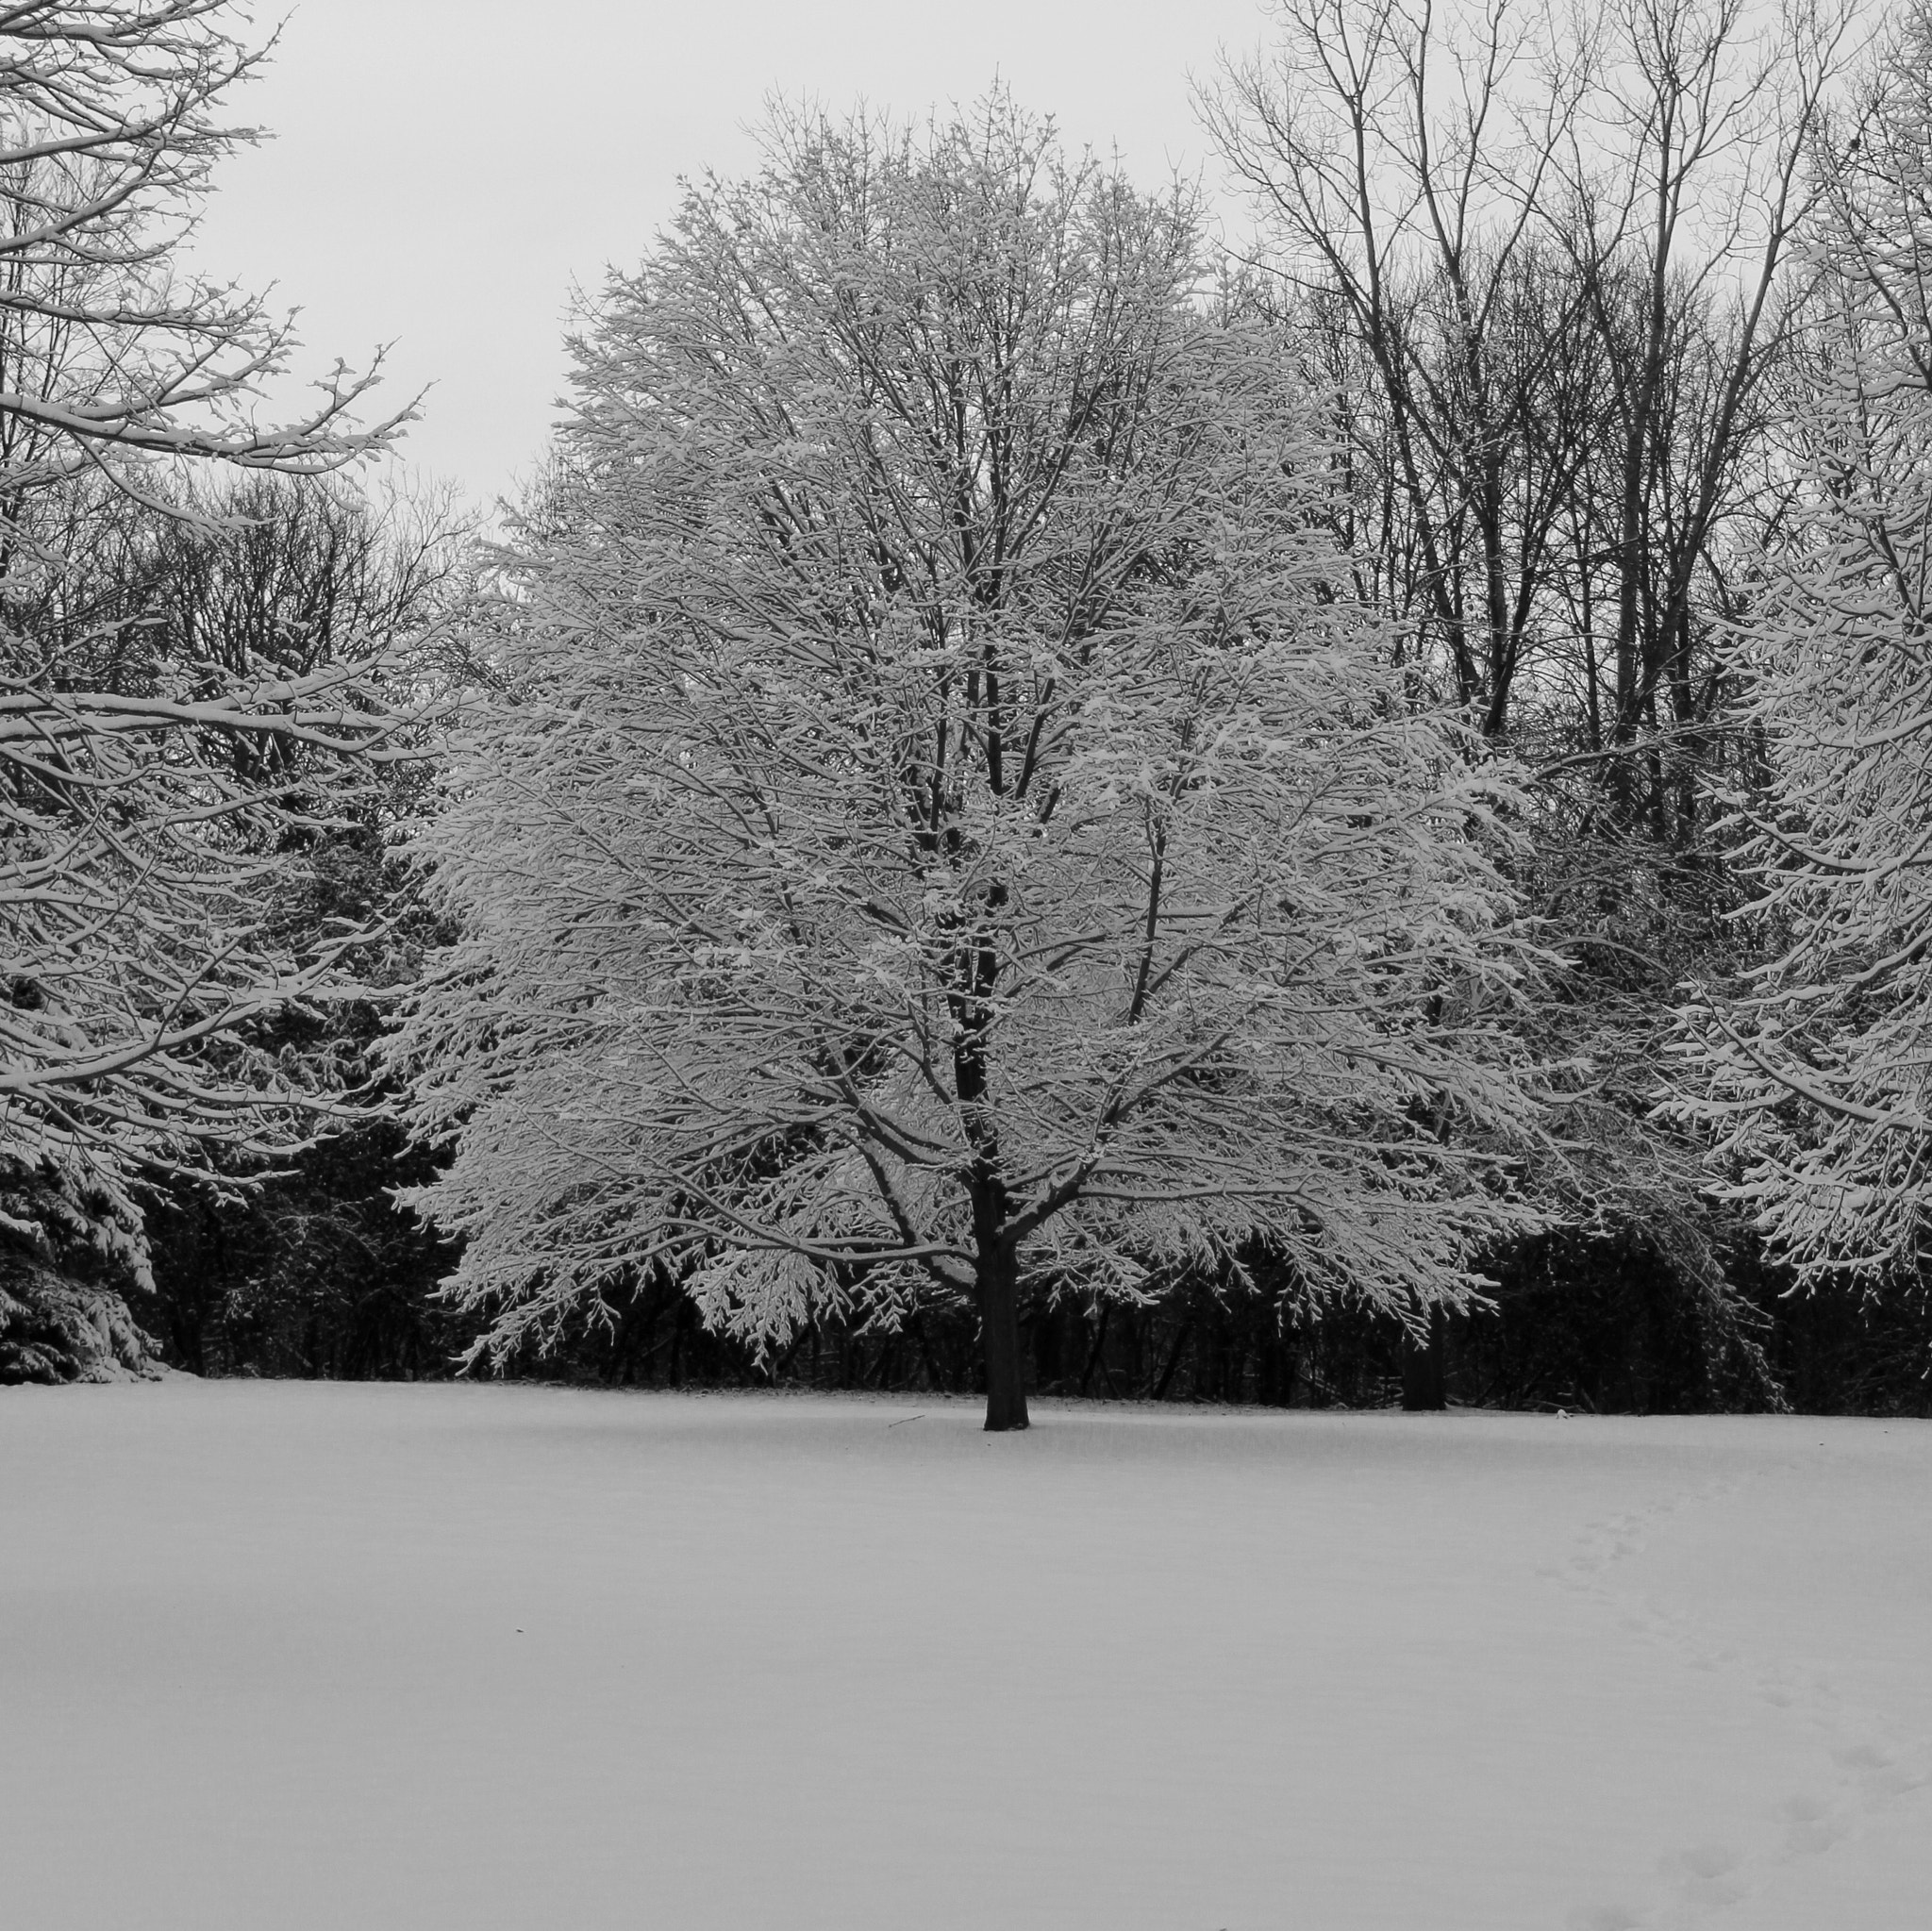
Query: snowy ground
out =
(276, 1656)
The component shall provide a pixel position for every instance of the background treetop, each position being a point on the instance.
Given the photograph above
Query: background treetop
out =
(112, 121)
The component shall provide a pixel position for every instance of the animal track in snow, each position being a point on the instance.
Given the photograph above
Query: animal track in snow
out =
(1812, 1824)
(1704, 1874)
(1865, 1767)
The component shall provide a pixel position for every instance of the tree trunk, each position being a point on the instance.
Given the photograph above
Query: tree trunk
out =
(1094, 1360)
(1173, 1358)
(1425, 1366)
(999, 1329)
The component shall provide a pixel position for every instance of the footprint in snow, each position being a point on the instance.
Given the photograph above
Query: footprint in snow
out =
(1882, 1772)
(1613, 1917)
(1812, 1824)
(1703, 1875)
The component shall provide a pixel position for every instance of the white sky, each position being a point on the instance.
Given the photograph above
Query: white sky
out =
(443, 169)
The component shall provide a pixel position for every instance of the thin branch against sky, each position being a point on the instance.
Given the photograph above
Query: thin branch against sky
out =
(443, 170)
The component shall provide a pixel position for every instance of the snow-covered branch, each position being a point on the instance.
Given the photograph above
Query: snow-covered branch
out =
(941, 795)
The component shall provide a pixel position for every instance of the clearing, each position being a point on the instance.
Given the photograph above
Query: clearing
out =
(283, 1656)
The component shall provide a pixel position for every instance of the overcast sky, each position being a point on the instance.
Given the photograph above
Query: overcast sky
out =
(443, 169)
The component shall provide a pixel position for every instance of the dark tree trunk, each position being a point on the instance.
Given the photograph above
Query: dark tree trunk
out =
(680, 1322)
(1425, 1366)
(999, 1328)
(996, 1258)
(934, 1379)
(1173, 1358)
(1094, 1360)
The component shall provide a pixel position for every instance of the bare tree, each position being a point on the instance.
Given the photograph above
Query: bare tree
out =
(1683, 188)
(1399, 161)
(1561, 250)
(1545, 264)
(111, 131)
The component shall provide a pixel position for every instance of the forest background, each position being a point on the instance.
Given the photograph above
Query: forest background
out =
(1611, 360)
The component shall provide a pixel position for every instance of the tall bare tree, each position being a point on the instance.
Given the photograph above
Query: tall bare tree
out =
(1561, 250)
(1399, 161)
(1683, 188)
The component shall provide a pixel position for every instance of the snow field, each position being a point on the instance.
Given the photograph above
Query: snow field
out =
(283, 1656)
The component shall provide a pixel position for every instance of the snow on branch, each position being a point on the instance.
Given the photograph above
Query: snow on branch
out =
(1813, 1072)
(140, 844)
(940, 811)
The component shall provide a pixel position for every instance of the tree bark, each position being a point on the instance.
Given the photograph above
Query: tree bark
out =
(998, 1272)
(1173, 1358)
(1094, 1360)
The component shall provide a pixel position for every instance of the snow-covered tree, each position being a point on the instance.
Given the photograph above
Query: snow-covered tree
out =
(941, 818)
(1815, 1074)
(143, 798)
(112, 125)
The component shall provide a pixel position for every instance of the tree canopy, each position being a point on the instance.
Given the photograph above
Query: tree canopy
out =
(942, 815)
(151, 792)
(1812, 1070)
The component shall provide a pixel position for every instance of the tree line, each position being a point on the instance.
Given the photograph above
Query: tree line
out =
(1037, 800)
